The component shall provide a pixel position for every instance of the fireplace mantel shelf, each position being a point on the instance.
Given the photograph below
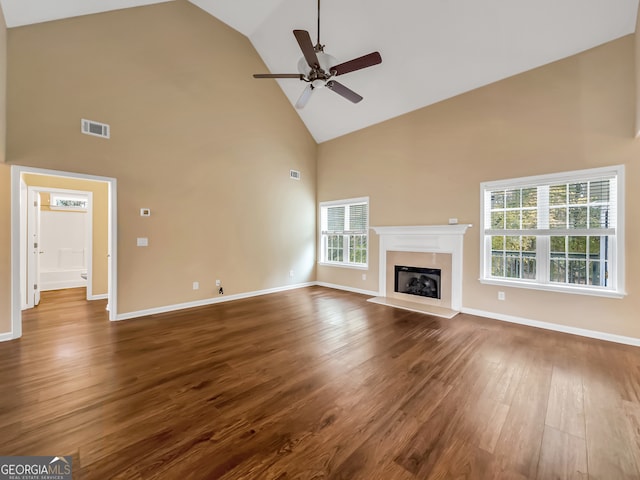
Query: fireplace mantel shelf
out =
(457, 229)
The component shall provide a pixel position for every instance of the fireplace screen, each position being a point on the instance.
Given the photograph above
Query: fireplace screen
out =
(424, 282)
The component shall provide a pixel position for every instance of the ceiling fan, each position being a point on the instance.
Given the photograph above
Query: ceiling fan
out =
(318, 68)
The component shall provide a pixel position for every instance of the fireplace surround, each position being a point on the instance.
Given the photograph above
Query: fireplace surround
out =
(429, 246)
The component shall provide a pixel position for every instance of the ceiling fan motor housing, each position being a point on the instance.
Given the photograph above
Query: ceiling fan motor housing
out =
(325, 60)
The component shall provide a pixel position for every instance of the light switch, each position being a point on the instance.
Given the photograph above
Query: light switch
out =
(143, 242)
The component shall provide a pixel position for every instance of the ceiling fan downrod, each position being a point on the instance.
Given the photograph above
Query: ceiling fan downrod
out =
(319, 47)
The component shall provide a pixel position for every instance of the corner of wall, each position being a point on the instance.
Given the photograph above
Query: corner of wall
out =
(5, 194)
(3, 87)
(637, 71)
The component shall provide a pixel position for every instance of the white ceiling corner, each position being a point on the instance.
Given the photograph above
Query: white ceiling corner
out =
(431, 49)
(245, 16)
(25, 12)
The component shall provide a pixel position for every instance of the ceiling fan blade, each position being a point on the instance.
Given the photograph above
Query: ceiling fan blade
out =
(299, 76)
(344, 91)
(306, 45)
(357, 64)
(304, 98)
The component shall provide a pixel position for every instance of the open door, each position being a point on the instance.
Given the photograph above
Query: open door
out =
(24, 250)
(33, 249)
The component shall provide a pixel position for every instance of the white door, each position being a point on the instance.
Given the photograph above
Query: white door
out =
(24, 250)
(33, 249)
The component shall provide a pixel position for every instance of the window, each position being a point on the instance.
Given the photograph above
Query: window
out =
(69, 202)
(559, 232)
(344, 232)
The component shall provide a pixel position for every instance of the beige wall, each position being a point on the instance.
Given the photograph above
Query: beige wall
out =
(425, 167)
(208, 149)
(3, 87)
(637, 63)
(100, 222)
(193, 137)
(5, 189)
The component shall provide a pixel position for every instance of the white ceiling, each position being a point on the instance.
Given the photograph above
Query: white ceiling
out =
(25, 12)
(431, 49)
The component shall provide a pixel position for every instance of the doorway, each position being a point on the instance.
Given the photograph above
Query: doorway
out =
(99, 252)
(59, 242)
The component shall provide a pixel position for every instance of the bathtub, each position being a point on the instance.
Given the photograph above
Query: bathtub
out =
(59, 279)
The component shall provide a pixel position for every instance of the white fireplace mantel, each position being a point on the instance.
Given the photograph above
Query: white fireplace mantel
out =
(424, 239)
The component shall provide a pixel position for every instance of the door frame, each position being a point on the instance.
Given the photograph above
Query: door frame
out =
(88, 241)
(112, 283)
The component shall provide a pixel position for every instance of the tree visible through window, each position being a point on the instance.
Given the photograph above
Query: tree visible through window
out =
(345, 232)
(554, 230)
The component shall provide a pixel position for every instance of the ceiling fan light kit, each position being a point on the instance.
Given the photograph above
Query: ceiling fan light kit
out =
(318, 68)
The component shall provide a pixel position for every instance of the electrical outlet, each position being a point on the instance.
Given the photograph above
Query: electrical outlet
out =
(220, 292)
(364, 276)
(291, 273)
(501, 296)
(218, 283)
(196, 285)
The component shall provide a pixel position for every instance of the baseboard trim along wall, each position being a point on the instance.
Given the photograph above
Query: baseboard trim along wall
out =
(5, 337)
(347, 289)
(582, 332)
(102, 296)
(209, 301)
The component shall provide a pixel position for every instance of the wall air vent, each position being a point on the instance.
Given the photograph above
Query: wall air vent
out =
(294, 174)
(97, 129)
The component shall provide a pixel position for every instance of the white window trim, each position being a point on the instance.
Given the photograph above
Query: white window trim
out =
(68, 196)
(346, 201)
(618, 257)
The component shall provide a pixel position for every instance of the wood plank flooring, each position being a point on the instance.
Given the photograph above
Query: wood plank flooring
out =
(315, 384)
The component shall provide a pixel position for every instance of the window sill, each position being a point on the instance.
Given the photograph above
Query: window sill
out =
(68, 209)
(555, 288)
(343, 265)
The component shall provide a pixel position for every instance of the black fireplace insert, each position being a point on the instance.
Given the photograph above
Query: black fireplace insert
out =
(424, 282)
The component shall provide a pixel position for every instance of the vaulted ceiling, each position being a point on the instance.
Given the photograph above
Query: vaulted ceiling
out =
(431, 49)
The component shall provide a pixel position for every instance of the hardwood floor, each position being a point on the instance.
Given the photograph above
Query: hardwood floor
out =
(315, 384)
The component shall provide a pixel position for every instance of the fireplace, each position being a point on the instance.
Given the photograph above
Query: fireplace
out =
(419, 281)
(436, 248)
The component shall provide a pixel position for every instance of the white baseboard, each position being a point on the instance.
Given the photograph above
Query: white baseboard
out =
(610, 337)
(208, 301)
(583, 332)
(347, 289)
(102, 296)
(5, 337)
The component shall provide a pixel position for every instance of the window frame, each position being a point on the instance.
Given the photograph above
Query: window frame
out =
(68, 196)
(322, 241)
(616, 289)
